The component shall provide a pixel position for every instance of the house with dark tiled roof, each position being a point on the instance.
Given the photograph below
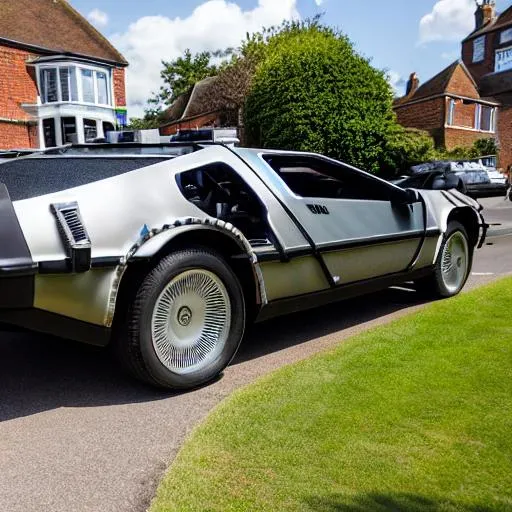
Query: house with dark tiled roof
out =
(471, 98)
(60, 79)
(199, 107)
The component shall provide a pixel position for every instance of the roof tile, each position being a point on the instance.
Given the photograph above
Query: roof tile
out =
(54, 25)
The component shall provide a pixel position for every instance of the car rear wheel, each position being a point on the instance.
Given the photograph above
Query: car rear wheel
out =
(185, 322)
(453, 264)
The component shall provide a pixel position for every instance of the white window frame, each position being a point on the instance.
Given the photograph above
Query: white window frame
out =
(492, 123)
(78, 72)
(451, 112)
(477, 120)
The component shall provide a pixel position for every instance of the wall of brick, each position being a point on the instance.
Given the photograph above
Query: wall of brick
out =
(462, 85)
(479, 69)
(504, 123)
(119, 87)
(464, 114)
(457, 138)
(18, 136)
(17, 83)
(213, 119)
(426, 115)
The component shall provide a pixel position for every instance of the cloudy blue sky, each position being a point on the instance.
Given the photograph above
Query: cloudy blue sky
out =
(399, 36)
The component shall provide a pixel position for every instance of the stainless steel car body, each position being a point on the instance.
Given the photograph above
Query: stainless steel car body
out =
(134, 215)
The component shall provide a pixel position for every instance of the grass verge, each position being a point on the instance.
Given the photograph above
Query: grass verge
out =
(412, 416)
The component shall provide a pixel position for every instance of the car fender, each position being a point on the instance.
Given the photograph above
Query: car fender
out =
(441, 205)
(154, 239)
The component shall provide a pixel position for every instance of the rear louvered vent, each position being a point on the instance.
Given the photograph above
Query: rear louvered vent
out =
(74, 236)
(75, 225)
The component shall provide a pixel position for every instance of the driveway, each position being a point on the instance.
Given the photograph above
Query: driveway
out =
(76, 435)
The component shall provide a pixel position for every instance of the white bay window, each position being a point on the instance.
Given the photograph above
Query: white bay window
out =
(74, 83)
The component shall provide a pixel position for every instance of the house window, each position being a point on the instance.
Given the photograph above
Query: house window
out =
(90, 130)
(102, 88)
(69, 135)
(487, 119)
(506, 36)
(87, 86)
(75, 84)
(49, 90)
(479, 49)
(451, 112)
(68, 84)
(49, 133)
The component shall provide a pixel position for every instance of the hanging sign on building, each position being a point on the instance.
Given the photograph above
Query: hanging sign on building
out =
(503, 60)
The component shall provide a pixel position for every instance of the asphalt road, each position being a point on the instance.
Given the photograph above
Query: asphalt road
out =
(76, 435)
(498, 211)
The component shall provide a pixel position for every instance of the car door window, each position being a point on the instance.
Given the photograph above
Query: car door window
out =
(314, 177)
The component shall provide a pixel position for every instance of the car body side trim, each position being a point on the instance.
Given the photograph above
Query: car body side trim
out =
(309, 301)
(273, 255)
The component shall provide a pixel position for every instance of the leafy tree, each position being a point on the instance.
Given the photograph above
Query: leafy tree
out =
(406, 147)
(313, 92)
(484, 147)
(181, 74)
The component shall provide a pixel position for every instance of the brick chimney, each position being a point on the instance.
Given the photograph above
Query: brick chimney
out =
(412, 84)
(485, 12)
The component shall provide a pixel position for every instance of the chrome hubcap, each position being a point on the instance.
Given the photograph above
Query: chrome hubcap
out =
(191, 320)
(454, 263)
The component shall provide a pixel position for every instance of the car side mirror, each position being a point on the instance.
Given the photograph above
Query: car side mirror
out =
(406, 197)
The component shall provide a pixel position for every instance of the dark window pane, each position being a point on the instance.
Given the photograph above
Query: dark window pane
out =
(315, 177)
(69, 135)
(64, 83)
(90, 131)
(49, 92)
(486, 119)
(49, 133)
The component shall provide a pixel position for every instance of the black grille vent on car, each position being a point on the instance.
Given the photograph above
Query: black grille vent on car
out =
(74, 236)
(75, 225)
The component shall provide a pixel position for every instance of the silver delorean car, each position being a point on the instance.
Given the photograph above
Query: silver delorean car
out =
(167, 252)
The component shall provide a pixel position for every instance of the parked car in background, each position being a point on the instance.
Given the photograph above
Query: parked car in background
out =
(168, 254)
(469, 177)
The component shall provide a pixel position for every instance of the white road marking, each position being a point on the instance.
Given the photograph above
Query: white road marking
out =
(482, 274)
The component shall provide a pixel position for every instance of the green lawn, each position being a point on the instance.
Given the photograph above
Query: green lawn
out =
(412, 416)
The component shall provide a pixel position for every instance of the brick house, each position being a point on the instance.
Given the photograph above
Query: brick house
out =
(60, 79)
(197, 108)
(471, 98)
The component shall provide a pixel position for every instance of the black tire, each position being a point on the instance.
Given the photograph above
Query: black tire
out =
(134, 340)
(435, 285)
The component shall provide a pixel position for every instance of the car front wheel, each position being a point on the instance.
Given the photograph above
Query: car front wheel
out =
(452, 266)
(185, 322)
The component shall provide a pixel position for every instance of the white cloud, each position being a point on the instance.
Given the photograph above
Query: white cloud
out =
(98, 17)
(451, 56)
(319, 2)
(215, 24)
(397, 82)
(449, 20)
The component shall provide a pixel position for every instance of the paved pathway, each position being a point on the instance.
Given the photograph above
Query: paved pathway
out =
(75, 435)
